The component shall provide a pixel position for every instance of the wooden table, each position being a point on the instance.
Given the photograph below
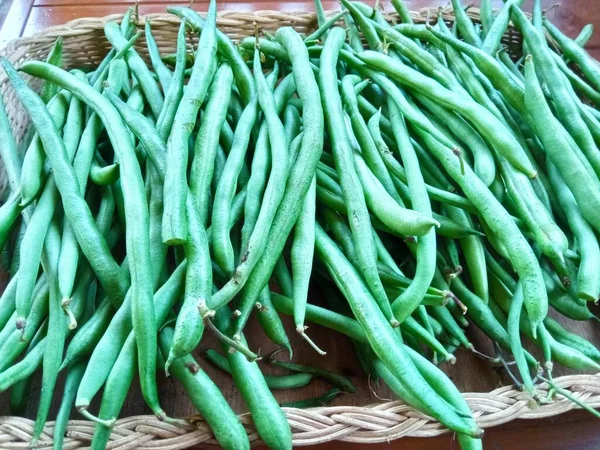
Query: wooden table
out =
(577, 430)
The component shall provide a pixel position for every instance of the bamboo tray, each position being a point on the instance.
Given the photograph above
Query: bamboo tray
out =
(368, 416)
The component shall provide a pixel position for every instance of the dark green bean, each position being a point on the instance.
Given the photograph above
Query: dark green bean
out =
(55, 57)
(293, 381)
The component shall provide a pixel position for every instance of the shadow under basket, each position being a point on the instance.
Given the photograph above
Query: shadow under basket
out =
(368, 416)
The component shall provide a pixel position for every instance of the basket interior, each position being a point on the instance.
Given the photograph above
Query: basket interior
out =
(84, 46)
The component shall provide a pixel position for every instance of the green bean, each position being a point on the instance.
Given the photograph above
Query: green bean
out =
(32, 249)
(538, 219)
(171, 59)
(588, 286)
(119, 380)
(268, 418)
(254, 246)
(198, 287)
(253, 235)
(293, 381)
(403, 221)
(314, 402)
(137, 220)
(484, 164)
(337, 380)
(415, 329)
(397, 171)
(243, 77)
(163, 72)
(562, 300)
(323, 317)
(363, 136)
(69, 391)
(402, 10)
(73, 135)
(576, 54)
(497, 29)
(138, 67)
(24, 368)
(283, 277)
(352, 191)
(19, 393)
(486, 16)
(473, 253)
(8, 151)
(407, 302)
(422, 59)
(220, 160)
(207, 140)
(383, 340)
(465, 25)
(325, 26)
(9, 213)
(123, 370)
(353, 34)
(206, 398)
(189, 327)
(489, 66)
(443, 316)
(127, 25)
(366, 26)
(495, 216)
(174, 217)
(88, 335)
(292, 122)
(566, 106)
(302, 171)
(92, 244)
(7, 301)
(33, 172)
(565, 337)
(222, 247)
(447, 390)
(107, 351)
(33, 241)
(514, 319)
(173, 95)
(564, 354)
(271, 323)
(55, 57)
(480, 117)
(581, 182)
(579, 85)
(55, 339)
(302, 253)
(584, 35)
(103, 175)
(13, 342)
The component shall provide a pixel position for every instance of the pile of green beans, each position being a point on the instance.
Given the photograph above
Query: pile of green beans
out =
(412, 179)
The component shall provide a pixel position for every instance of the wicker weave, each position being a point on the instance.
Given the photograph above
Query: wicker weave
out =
(84, 44)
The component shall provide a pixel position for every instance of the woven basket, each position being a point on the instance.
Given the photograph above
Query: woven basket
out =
(84, 44)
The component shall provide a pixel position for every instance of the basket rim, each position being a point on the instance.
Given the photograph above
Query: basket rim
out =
(78, 26)
(375, 423)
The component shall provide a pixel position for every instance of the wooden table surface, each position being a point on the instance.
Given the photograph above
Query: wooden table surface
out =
(577, 430)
